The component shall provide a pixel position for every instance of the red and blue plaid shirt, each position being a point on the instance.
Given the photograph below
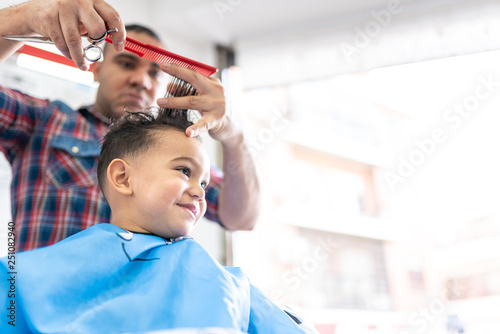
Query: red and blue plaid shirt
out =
(53, 151)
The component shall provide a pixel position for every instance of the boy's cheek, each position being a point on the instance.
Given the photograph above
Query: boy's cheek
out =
(203, 208)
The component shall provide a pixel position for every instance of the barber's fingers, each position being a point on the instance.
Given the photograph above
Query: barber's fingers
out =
(202, 103)
(96, 17)
(210, 100)
(52, 29)
(212, 111)
(71, 33)
(197, 80)
(112, 20)
(210, 92)
(43, 18)
(204, 124)
(64, 21)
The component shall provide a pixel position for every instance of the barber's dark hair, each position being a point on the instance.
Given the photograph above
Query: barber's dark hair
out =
(140, 29)
(137, 132)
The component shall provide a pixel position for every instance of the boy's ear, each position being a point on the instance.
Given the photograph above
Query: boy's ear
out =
(118, 174)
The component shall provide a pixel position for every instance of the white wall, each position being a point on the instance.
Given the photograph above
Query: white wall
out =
(397, 34)
(175, 41)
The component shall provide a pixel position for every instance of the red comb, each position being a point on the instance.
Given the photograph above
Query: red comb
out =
(159, 55)
(146, 51)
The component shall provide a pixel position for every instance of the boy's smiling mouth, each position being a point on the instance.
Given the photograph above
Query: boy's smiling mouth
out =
(190, 208)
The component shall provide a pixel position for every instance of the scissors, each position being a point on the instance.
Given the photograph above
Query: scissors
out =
(91, 52)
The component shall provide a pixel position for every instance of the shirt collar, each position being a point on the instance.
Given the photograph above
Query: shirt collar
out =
(168, 241)
(91, 109)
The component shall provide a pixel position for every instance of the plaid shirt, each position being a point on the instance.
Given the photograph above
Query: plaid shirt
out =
(53, 151)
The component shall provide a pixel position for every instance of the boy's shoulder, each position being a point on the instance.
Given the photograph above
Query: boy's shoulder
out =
(104, 249)
(101, 243)
(107, 244)
(103, 240)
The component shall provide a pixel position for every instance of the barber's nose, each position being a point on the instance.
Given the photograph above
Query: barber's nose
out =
(140, 78)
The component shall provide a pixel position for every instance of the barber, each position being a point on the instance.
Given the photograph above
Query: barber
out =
(53, 149)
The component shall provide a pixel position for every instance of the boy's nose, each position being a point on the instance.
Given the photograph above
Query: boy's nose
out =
(198, 192)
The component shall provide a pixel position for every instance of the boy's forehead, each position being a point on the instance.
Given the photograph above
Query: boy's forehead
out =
(174, 142)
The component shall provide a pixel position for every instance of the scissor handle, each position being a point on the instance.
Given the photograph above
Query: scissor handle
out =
(101, 39)
(91, 47)
(94, 45)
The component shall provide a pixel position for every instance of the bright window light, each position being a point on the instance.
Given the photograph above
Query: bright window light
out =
(55, 69)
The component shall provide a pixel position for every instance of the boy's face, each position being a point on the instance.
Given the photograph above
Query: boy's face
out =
(126, 80)
(168, 184)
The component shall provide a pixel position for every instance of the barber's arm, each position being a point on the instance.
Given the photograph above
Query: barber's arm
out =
(64, 21)
(240, 191)
(11, 23)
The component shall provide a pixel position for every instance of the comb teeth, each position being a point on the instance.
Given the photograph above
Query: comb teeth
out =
(159, 55)
(176, 88)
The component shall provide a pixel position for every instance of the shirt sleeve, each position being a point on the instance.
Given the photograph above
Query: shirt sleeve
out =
(18, 115)
(212, 195)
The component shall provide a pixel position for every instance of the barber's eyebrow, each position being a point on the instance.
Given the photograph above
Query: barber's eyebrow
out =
(127, 55)
(135, 58)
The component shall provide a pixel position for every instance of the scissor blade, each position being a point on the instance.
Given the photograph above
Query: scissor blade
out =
(34, 39)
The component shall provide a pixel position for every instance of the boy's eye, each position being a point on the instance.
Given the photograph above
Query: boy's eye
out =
(204, 185)
(186, 171)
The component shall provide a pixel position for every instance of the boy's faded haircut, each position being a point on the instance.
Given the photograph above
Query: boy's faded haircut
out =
(135, 133)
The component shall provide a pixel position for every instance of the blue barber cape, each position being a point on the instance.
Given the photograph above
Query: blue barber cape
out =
(107, 280)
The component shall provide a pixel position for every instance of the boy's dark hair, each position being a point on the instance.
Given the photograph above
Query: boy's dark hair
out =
(136, 133)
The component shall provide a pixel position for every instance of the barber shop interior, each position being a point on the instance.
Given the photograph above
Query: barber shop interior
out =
(237, 166)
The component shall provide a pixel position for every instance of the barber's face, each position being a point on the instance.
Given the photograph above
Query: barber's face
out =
(126, 80)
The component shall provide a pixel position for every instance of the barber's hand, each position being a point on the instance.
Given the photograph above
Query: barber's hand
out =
(65, 21)
(210, 102)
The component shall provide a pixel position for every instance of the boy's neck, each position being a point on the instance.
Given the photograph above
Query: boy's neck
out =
(136, 232)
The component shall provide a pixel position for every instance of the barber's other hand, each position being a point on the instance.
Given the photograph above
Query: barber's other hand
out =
(65, 21)
(210, 102)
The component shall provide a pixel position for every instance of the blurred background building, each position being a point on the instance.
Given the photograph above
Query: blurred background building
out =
(374, 126)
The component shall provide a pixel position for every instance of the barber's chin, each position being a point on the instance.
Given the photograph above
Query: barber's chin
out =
(133, 108)
(119, 111)
(132, 104)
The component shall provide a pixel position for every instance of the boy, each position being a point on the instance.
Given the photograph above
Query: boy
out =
(142, 272)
